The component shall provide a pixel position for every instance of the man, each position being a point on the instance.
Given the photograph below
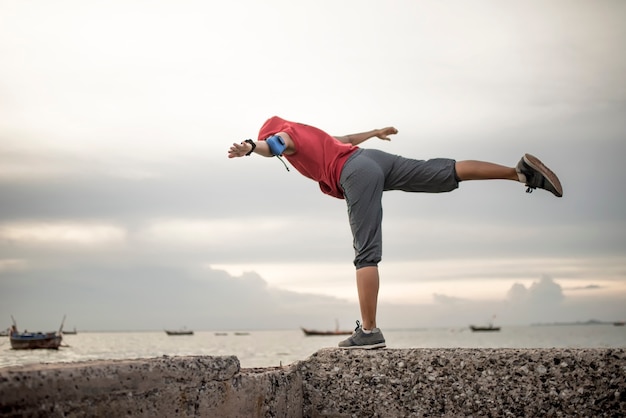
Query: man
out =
(346, 171)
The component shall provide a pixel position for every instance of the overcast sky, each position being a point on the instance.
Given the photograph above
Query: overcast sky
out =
(120, 208)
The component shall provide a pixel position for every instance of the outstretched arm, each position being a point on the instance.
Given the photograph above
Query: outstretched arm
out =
(356, 139)
(260, 147)
(241, 149)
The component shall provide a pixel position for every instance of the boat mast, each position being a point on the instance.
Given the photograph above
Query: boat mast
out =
(62, 322)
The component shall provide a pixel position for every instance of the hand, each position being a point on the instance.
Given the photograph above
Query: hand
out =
(239, 150)
(383, 133)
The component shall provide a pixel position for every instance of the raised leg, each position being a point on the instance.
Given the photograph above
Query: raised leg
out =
(481, 170)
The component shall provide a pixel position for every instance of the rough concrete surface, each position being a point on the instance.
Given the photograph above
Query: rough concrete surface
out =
(331, 383)
(465, 382)
(160, 387)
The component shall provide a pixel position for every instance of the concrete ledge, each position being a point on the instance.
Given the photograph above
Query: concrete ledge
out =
(331, 383)
(465, 382)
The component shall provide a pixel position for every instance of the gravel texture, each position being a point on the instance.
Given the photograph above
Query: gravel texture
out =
(330, 383)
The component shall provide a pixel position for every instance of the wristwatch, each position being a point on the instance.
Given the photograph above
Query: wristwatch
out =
(251, 142)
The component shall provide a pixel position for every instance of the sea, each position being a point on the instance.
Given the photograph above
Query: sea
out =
(256, 349)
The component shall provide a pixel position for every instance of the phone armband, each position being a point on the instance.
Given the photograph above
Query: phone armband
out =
(277, 144)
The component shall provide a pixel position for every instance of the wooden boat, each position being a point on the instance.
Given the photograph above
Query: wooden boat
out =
(35, 340)
(488, 328)
(72, 332)
(314, 332)
(179, 332)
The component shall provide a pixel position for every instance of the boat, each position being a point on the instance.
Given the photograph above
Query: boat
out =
(70, 332)
(242, 333)
(179, 332)
(221, 334)
(35, 340)
(619, 323)
(313, 332)
(5, 332)
(487, 328)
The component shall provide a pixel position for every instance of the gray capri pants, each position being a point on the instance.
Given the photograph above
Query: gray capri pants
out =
(369, 172)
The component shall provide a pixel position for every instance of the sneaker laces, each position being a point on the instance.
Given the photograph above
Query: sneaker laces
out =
(356, 330)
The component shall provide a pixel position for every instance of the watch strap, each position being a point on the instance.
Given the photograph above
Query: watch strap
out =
(251, 142)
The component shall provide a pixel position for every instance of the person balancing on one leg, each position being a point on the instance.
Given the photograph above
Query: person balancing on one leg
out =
(360, 176)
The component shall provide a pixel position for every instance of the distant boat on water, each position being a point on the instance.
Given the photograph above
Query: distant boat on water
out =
(35, 340)
(179, 332)
(70, 332)
(619, 323)
(487, 328)
(313, 332)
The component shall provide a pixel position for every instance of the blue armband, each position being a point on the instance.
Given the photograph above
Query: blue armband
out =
(277, 144)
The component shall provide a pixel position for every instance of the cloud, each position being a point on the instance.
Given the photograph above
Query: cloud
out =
(543, 293)
(541, 301)
(155, 296)
(61, 233)
(446, 300)
(588, 287)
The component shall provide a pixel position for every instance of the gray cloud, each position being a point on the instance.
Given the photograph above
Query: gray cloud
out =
(588, 287)
(545, 292)
(155, 296)
(446, 300)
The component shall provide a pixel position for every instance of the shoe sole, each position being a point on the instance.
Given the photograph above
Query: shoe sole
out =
(366, 347)
(536, 163)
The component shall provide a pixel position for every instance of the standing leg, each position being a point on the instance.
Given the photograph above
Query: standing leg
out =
(367, 335)
(362, 181)
(367, 282)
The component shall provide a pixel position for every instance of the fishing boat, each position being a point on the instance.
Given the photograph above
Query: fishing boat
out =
(35, 340)
(486, 328)
(70, 332)
(179, 332)
(313, 332)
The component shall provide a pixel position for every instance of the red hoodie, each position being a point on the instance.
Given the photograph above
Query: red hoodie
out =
(318, 155)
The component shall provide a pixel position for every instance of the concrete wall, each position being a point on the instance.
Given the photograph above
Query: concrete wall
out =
(331, 383)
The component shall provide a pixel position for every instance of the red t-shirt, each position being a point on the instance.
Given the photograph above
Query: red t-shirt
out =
(318, 155)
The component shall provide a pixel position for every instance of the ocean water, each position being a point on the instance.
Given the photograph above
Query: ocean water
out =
(275, 348)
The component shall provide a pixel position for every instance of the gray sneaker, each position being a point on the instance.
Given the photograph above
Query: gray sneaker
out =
(537, 175)
(359, 339)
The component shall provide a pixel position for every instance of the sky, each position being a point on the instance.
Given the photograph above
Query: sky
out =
(120, 209)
